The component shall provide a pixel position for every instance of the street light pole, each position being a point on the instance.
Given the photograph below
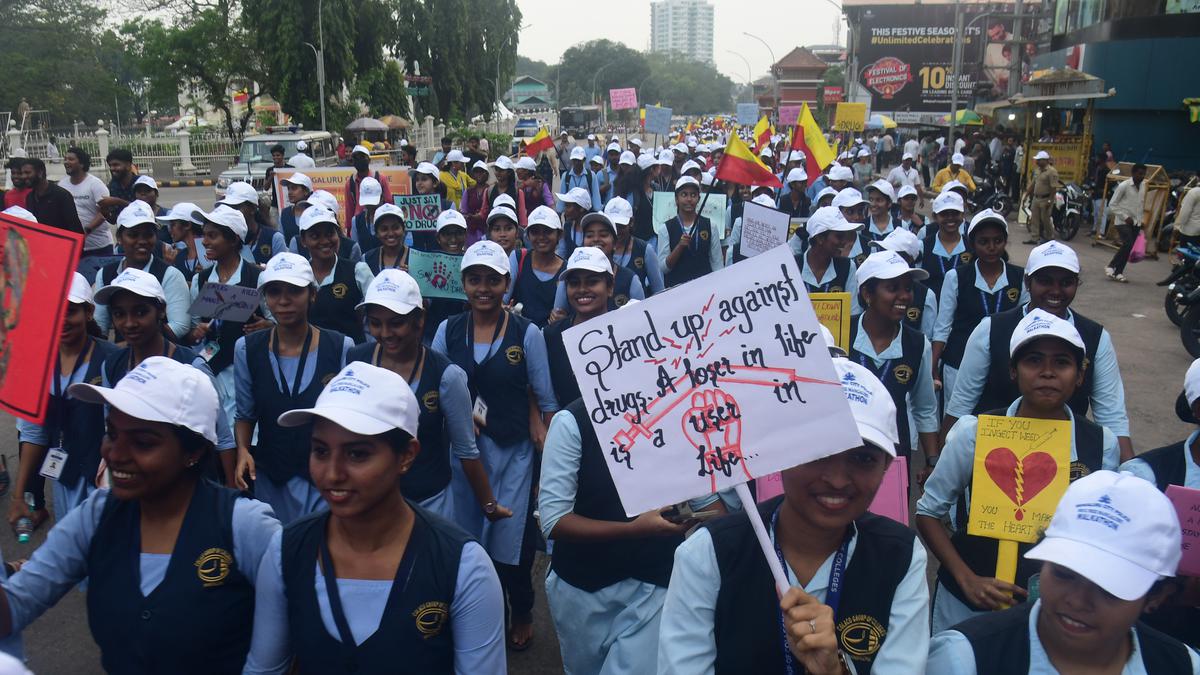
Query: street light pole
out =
(772, 68)
(956, 67)
(320, 79)
(749, 72)
(321, 59)
(594, 76)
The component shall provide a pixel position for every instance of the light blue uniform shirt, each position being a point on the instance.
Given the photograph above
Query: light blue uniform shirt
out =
(922, 401)
(456, 406)
(277, 246)
(950, 653)
(816, 186)
(1191, 476)
(1107, 395)
(654, 273)
(636, 291)
(869, 226)
(806, 275)
(948, 303)
(570, 179)
(686, 640)
(61, 562)
(356, 253)
(476, 613)
(175, 288)
(590, 151)
(716, 260)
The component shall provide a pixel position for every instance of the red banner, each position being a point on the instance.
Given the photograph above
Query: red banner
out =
(833, 95)
(37, 263)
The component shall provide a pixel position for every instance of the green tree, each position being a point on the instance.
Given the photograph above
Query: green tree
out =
(688, 87)
(124, 57)
(604, 63)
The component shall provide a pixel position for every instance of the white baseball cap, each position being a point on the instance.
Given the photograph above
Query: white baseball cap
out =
(20, 212)
(627, 157)
(826, 219)
(900, 240)
(526, 162)
(451, 217)
(393, 289)
(299, 179)
(1052, 254)
(840, 172)
(1117, 531)
(501, 212)
(146, 181)
(1039, 323)
(957, 158)
(591, 137)
(563, 133)
(767, 152)
(796, 156)
(636, 141)
(764, 200)
(1042, 154)
(576, 196)
(324, 199)
(480, 164)
(619, 211)
(864, 153)
(906, 191)
(504, 163)
(161, 389)
(544, 215)
(486, 253)
(239, 193)
(185, 211)
(135, 281)
(505, 199)
(301, 146)
(690, 165)
(364, 399)
(370, 192)
(987, 216)
(883, 187)
(907, 155)
(315, 215)
(137, 213)
(685, 181)
(679, 149)
(612, 147)
(80, 290)
(666, 158)
(954, 185)
(645, 161)
(825, 192)
(948, 201)
(848, 197)
(389, 210)
(588, 258)
(887, 265)
(456, 156)
(224, 216)
(870, 403)
(290, 268)
(796, 175)
(597, 159)
(578, 153)
(360, 149)
(429, 169)
(1191, 381)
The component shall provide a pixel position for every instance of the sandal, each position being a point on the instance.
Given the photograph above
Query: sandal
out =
(520, 646)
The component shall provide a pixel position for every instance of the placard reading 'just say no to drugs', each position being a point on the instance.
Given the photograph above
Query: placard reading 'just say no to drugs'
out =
(720, 381)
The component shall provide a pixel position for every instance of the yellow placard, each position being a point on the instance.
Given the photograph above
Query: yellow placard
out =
(1068, 160)
(850, 117)
(833, 311)
(1022, 468)
(332, 179)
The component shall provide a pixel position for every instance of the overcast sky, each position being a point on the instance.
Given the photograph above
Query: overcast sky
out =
(556, 25)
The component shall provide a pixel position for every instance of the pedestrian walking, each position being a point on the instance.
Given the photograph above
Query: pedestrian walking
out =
(1128, 207)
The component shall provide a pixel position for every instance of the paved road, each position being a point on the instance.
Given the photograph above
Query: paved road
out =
(1152, 363)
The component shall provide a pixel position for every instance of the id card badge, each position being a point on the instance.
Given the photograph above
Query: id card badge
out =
(479, 412)
(52, 465)
(209, 350)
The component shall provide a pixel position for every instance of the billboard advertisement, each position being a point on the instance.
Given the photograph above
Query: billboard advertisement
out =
(906, 53)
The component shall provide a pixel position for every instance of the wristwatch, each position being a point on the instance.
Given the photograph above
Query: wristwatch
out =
(490, 507)
(931, 460)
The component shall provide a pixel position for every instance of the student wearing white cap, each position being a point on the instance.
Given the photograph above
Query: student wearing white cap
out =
(580, 176)
(341, 283)
(593, 149)
(170, 558)
(137, 235)
(388, 227)
(451, 238)
(535, 280)
(794, 200)
(864, 169)
(971, 293)
(733, 244)
(631, 252)
(906, 215)
(854, 208)
(922, 311)
(454, 177)
(879, 223)
(261, 240)
(370, 196)
(347, 247)
(1046, 361)
(395, 318)
(1112, 547)
(506, 186)
(501, 227)
(504, 356)
(588, 283)
(323, 605)
(953, 172)
(858, 580)
(72, 426)
(604, 180)
(534, 186)
(898, 354)
(186, 232)
(600, 231)
(299, 186)
(146, 190)
(360, 159)
(691, 245)
(572, 205)
(944, 248)
(823, 268)
(278, 370)
(1051, 281)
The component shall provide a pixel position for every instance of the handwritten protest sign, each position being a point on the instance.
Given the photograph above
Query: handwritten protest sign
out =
(763, 228)
(833, 311)
(1187, 506)
(332, 179)
(420, 211)
(658, 120)
(788, 114)
(850, 117)
(891, 500)
(437, 274)
(37, 264)
(686, 391)
(1022, 468)
(664, 209)
(225, 301)
(747, 113)
(622, 99)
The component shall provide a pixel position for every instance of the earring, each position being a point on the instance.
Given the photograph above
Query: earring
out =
(192, 463)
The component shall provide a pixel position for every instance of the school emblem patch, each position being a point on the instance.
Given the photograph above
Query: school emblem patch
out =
(339, 291)
(860, 636)
(639, 263)
(620, 300)
(902, 374)
(1013, 294)
(965, 257)
(836, 289)
(515, 354)
(212, 567)
(97, 380)
(431, 618)
(265, 250)
(703, 235)
(913, 313)
(430, 401)
(1078, 470)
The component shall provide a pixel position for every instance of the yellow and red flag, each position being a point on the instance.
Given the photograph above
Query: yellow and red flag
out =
(762, 134)
(740, 165)
(538, 143)
(807, 137)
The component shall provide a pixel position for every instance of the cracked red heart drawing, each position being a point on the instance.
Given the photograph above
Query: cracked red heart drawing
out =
(1020, 479)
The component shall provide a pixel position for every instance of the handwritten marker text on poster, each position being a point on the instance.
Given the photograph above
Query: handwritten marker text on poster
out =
(698, 390)
(833, 311)
(763, 228)
(437, 274)
(225, 301)
(1187, 507)
(1022, 468)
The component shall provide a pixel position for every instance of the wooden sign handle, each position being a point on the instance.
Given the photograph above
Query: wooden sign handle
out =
(1006, 561)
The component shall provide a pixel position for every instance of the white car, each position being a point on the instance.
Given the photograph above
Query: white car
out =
(254, 157)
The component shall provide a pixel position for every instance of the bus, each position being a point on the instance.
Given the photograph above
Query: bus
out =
(579, 120)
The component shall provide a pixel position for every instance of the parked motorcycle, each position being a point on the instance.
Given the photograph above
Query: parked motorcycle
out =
(1181, 283)
(992, 191)
(1067, 210)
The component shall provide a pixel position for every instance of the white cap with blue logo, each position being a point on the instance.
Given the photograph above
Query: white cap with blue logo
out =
(364, 399)
(872, 405)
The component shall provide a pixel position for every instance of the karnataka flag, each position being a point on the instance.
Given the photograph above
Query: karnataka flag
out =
(241, 96)
(762, 134)
(642, 118)
(538, 143)
(740, 165)
(807, 137)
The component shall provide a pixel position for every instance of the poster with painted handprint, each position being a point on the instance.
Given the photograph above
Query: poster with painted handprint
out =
(1022, 468)
(437, 274)
(720, 381)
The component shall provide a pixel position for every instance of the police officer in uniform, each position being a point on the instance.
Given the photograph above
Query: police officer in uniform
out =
(341, 283)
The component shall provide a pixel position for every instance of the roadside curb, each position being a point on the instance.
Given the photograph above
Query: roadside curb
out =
(199, 182)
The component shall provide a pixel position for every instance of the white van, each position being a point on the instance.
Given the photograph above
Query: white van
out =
(254, 157)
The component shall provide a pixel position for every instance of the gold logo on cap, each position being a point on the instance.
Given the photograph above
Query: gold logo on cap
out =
(212, 567)
(1013, 294)
(339, 291)
(913, 313)
(430, 400)
(860, 636)
(902, 374)
(515, 354)
(431, 618)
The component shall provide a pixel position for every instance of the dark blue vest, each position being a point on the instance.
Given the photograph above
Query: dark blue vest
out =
(79, 426)
(288, 225)
(694, 263)
(415, 632)
(898, 375)
(228, 332)
(363, 235)
(971, 308)
(110, 271)
(562, 378)
(637, 263)
(116, 365)
(502, 380)
(937, 266)
(841, 275)
(373, 259)
(334, 307)
(282, 452)
(261, 246)
(198, 619)
(916, 309)
(536, 295)
(623, 282)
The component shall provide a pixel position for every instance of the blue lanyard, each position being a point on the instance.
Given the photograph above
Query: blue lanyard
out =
(983, 298)
(833, 596)
(953, 262)
(882, 374)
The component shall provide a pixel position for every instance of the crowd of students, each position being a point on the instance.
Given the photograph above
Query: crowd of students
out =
(358, 478)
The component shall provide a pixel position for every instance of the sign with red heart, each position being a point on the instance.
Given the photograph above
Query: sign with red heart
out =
(1022, 467)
